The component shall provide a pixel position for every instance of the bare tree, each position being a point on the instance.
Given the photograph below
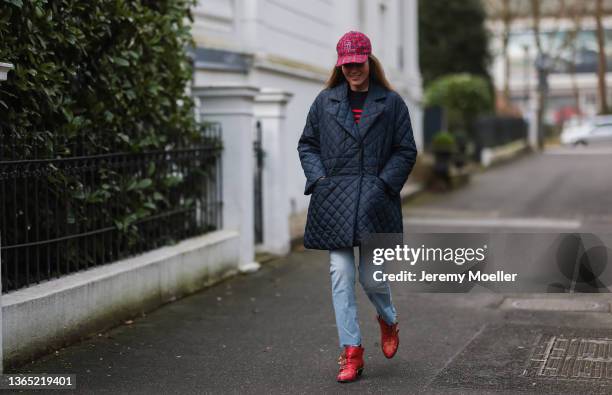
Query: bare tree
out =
(576, 11)
(548, 58)
(536, 8)
(503, 11)
(601, 64)
(506, 17)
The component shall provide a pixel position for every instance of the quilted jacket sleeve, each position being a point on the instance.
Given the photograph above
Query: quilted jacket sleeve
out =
(404, 152)
(310, 150)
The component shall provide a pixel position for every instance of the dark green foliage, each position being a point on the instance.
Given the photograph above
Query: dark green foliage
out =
(463, 96)
(443, 142)
(94, 78)
(110, 72)
(452, 38)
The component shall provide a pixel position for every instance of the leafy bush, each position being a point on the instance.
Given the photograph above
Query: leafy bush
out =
(453, 38)
(463, 96)
(94, 78)
(109, 75)
(443, 142)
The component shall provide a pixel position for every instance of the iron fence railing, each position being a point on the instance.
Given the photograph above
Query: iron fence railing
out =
(62, 215)
(258, 184)
(493, 131)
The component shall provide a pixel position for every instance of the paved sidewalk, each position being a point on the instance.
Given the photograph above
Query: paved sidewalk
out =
(273, 332)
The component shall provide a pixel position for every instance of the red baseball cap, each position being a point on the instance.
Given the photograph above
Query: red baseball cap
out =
(353, 47)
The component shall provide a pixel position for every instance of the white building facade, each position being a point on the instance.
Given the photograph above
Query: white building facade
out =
(266, 60)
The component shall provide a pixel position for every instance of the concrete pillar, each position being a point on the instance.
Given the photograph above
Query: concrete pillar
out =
(411, 42)
(412, 71)
(232, 107)
(270, 107)
(532, 136)
(4, 69)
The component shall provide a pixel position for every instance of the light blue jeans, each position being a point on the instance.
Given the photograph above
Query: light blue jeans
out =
(342, 270)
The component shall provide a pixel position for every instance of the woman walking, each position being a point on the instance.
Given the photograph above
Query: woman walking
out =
(357, 150)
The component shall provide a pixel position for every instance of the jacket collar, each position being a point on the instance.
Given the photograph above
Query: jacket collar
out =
(341, 110)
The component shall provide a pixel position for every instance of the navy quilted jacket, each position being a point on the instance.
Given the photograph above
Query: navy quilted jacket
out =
(365, 166)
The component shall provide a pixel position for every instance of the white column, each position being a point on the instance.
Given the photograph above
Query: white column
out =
(232, 107)
(4, 69)
(532, 135)
(270, 108)
(411, 39)
(412, 69)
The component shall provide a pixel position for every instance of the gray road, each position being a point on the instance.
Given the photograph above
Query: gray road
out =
(562, 191)
(557, 190)
(273, 331)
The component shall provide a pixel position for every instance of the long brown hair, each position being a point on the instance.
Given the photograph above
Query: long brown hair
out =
(377, 74)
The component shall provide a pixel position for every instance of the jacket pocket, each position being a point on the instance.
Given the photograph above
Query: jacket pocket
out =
(320, 195)
(380, 184)
(321, 183)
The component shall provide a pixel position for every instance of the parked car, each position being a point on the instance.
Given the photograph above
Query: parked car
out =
(596, 130)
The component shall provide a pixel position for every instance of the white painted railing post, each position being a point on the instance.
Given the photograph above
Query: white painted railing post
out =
(232, 107)
(270, 108)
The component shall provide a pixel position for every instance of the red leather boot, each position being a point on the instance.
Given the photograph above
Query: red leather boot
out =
(351, 364)
(389, 337)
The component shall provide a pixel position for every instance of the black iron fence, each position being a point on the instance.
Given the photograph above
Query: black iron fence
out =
(493, 131)
(434, 121)
(258, 184)
(62, 215)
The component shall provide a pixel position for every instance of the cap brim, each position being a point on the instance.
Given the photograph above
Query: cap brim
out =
(351, 59)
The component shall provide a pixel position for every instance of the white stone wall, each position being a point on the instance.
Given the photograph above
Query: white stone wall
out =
(48, 315)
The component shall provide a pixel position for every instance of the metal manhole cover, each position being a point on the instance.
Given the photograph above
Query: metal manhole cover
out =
(565, 357)
(542, 359)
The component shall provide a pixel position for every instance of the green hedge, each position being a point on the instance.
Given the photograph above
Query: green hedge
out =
(453, 38)
(463, 96)
(110, 72)
(91, 78)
